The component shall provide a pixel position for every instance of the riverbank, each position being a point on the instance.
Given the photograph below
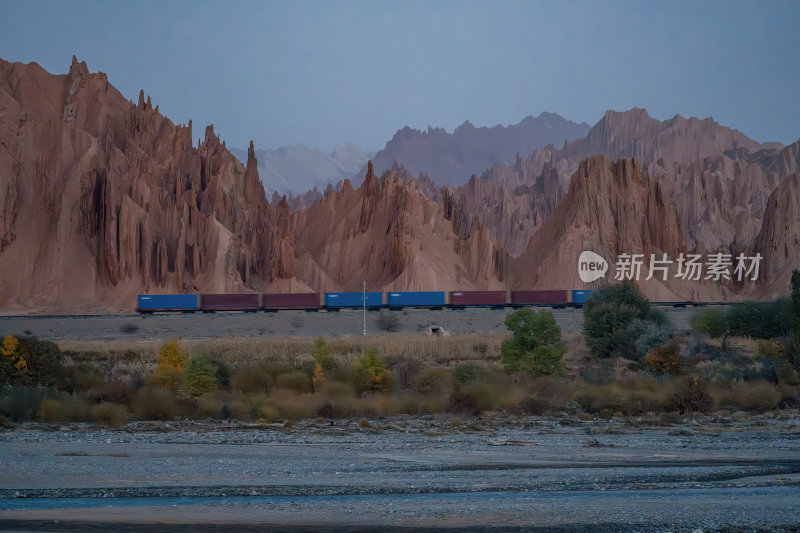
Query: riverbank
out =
(440, 471)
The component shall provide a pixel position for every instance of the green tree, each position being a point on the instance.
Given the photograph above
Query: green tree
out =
(615, 319)
(371, 372)
(795, 343)
(322, 355)
(536, 346)
(712, 322)
(200, 376)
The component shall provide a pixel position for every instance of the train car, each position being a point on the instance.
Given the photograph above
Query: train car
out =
(309, 301)
(150, 303)
(548, 298)
(579, 297)
(398, 300)
(478, 299)
(230, 302)
(343, 300)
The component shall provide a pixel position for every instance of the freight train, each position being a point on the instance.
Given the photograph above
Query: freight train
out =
(334, 301)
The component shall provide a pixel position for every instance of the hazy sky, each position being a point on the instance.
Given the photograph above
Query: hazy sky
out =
(324, 73)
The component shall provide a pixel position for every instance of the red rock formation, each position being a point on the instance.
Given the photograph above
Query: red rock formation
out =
(390, 234)
(779, 239)
(611, 208)
(102, 198)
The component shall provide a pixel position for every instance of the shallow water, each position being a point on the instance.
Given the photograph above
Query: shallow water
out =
(18, 504)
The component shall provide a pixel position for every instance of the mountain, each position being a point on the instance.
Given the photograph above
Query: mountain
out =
(297, 169)
(611, 208)
(388, 233)
(102, 198)
(451, 158)
(778, 241)
(718, 178)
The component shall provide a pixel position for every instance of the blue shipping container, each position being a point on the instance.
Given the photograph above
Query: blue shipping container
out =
(168, 302)
(416, 299)
(352, 299)
(579, 297)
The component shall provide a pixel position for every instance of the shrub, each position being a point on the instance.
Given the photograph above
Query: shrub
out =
(23, 403)
(794, 346)
(128, 327)
(64, 409)
(155, 403)
(200, 376)
(772, 349)
(294, 406)
(713, 322)
(225, 405)
(26, 361)
(760, 320)
(755, 396)
(165, 378)
(171, 355)
(388, 322)
(108, 413)
(252, 378)
(536, 346)
(406, 372)
(462, 403)
(80, 377)
(471, 373)
(652, 335)
(788, 375)
(296, 381)
(433, 381)
(546, 394)
(664, 359)
(115, 391)
(692, 397)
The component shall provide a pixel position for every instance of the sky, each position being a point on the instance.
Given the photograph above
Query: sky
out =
(323, 73)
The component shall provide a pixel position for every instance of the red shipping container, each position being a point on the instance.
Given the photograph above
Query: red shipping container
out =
(303, 300)
(478, 298)
(229, 302)
(539, 297)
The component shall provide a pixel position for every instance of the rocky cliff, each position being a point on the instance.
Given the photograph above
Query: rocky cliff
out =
(391, 235)
(103, 198)
(451, 158)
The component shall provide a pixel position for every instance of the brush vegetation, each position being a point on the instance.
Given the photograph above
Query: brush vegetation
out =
(628, 361)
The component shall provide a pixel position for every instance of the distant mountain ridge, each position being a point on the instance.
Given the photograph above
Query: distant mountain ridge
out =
(102, 198)
(297, 169)
(451, 158)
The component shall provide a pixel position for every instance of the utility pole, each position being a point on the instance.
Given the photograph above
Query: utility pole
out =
(364, 299)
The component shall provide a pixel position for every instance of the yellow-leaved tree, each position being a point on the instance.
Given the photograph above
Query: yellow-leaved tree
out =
(171, 355)
(8, 348)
